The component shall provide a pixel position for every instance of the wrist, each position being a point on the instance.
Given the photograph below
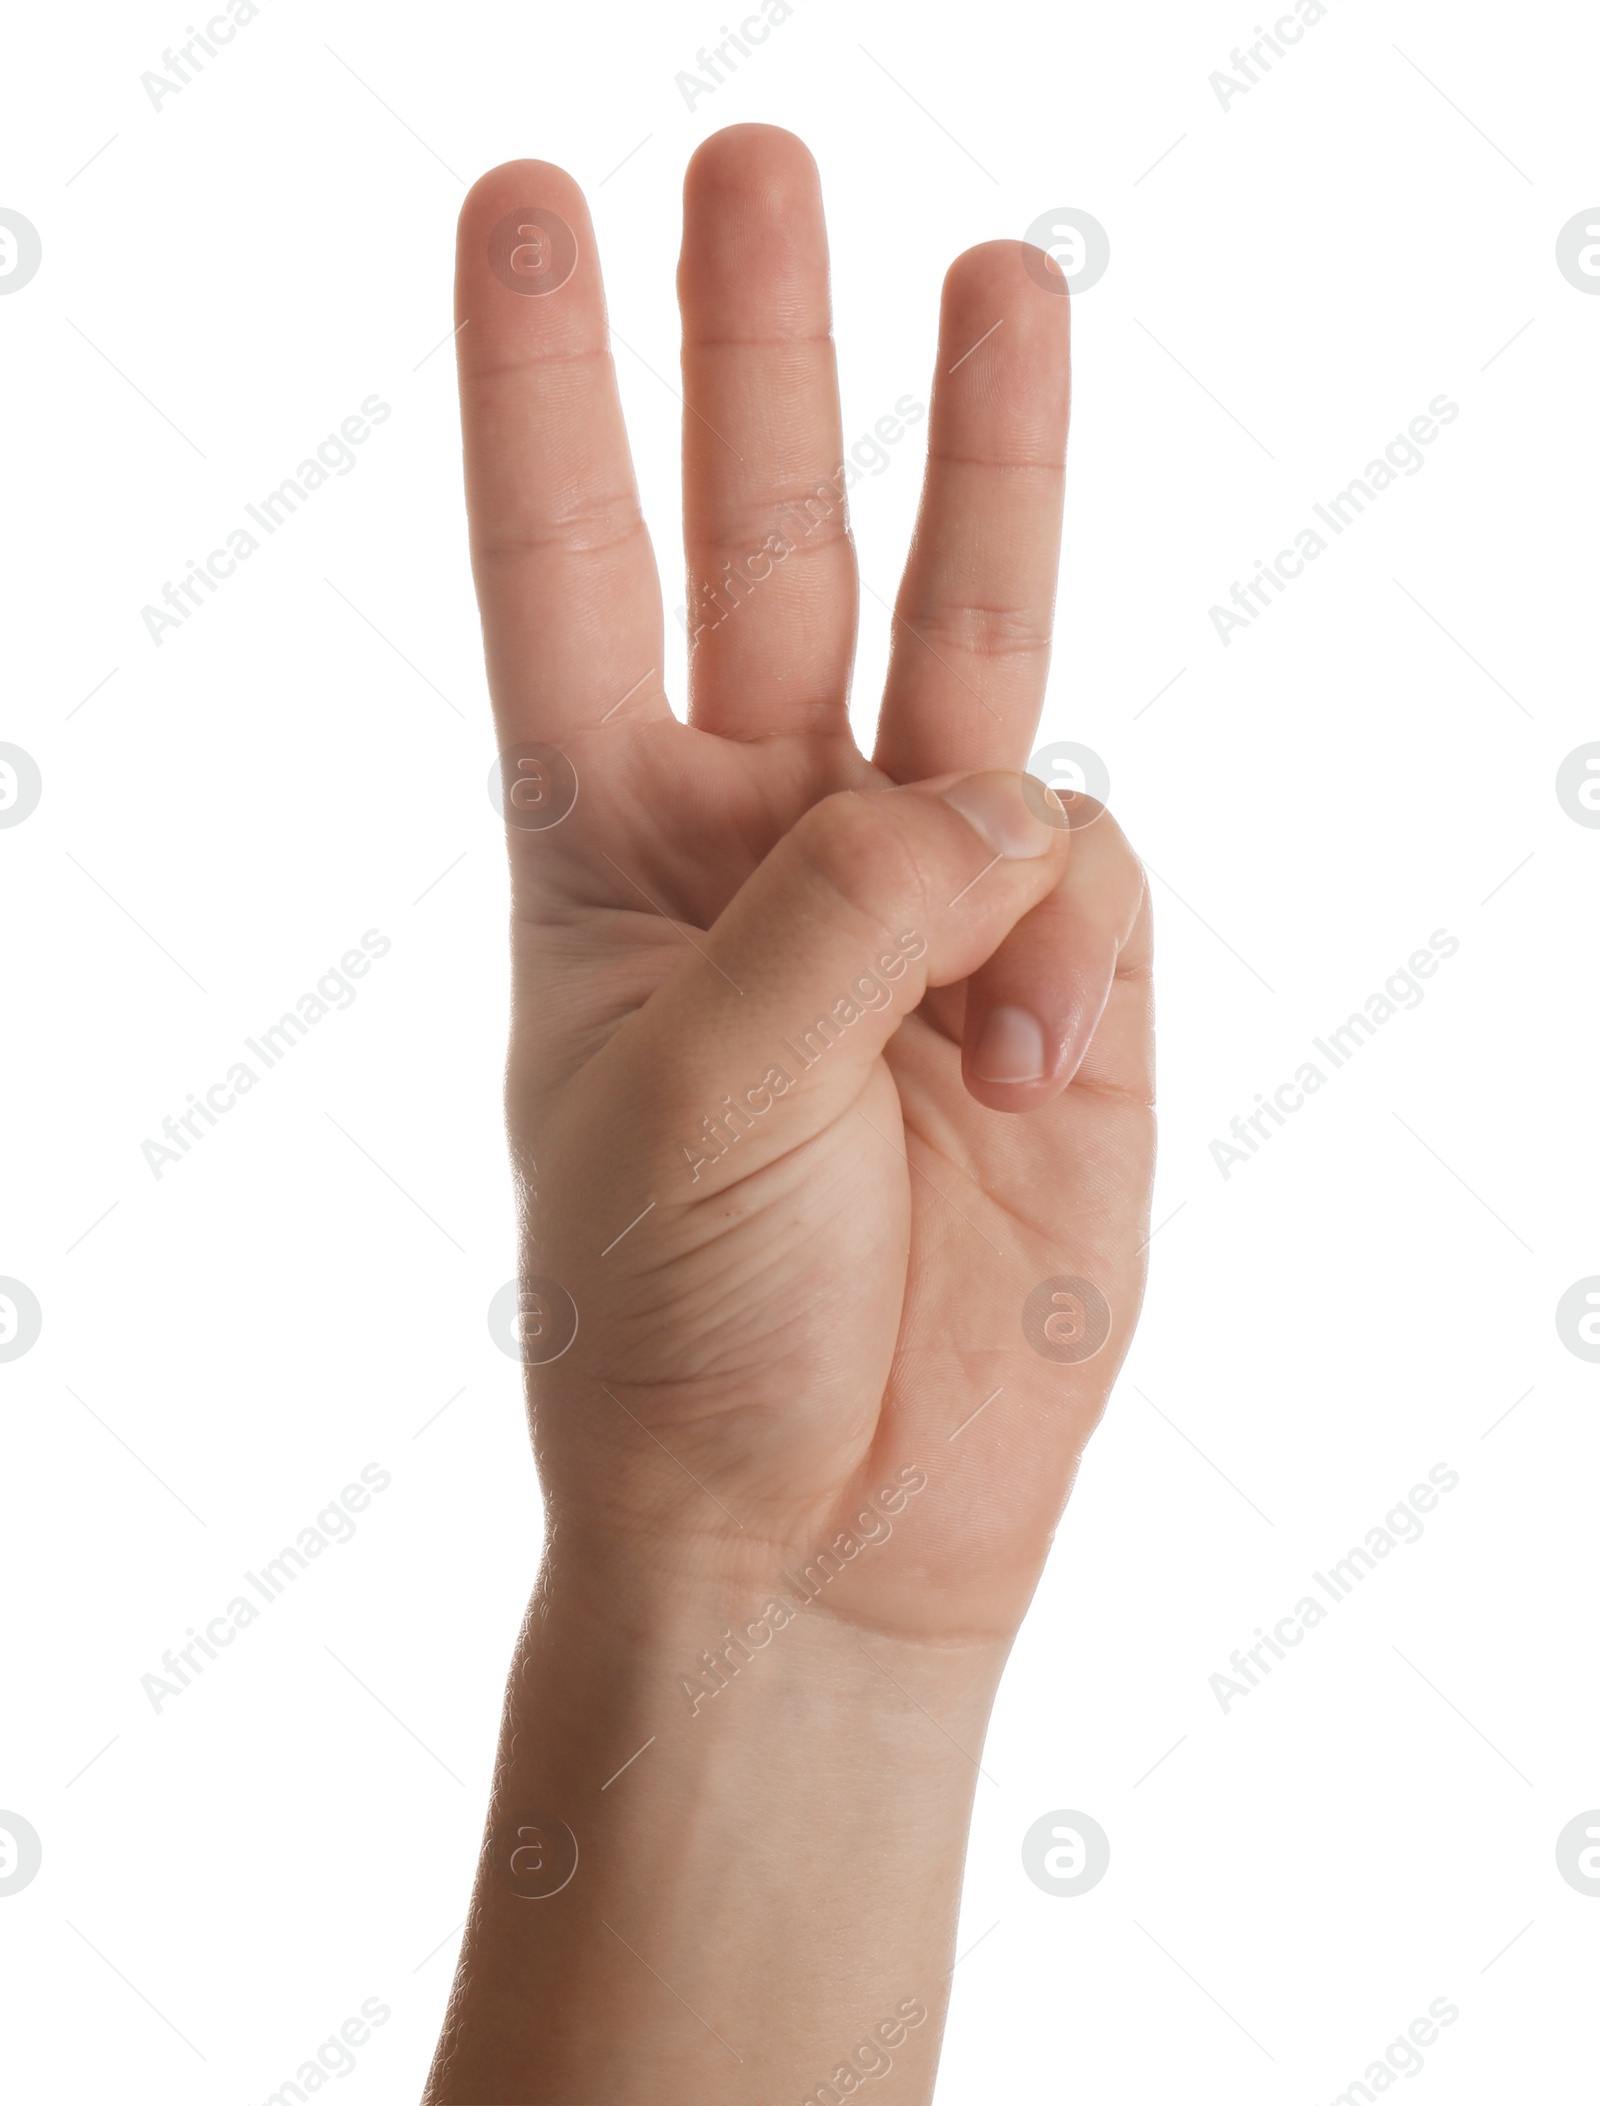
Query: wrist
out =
(881, 1558)
(668, 1842)
(669, 1653)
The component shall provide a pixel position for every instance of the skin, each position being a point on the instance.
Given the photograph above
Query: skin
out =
(814, 1337)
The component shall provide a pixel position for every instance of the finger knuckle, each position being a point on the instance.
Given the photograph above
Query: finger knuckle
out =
(992, 633)
(857, 851)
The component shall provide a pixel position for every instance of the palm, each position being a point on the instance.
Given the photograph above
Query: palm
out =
(860, 1313)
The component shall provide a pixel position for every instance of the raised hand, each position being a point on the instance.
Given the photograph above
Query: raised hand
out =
(876, 1059)
(830, 1079)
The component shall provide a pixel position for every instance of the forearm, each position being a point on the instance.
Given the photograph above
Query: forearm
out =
(767, 1891)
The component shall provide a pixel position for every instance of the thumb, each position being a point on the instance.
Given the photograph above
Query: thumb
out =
(870, 899)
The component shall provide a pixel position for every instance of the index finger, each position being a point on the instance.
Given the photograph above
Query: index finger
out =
(566, 577)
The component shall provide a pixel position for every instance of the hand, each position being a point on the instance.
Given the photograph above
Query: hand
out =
(823, 1072)
(815, 1301)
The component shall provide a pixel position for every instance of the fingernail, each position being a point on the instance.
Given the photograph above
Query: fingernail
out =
(1010, 1047)
(994, 805)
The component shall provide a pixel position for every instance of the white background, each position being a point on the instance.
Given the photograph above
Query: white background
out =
(1373, 224)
